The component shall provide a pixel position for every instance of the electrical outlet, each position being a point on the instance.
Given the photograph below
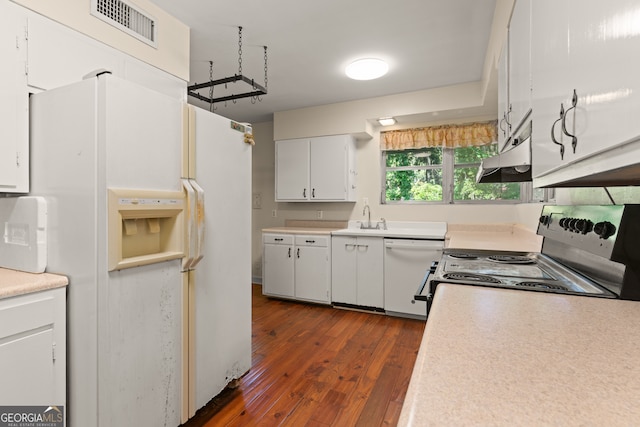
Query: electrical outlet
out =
(319, 214)
(256, 201)
(274, 213)
(365, 200)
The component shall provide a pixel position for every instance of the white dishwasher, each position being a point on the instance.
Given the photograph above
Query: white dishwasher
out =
(406, 262)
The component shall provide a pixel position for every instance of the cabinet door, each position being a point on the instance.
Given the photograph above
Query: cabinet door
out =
(14, 102)
(550, 62)
(370, 272)
(603, 74)
(504, 128)
(583, 52)
(277, 273)
(329, 168)
(312, 273)
(520, 63)
(27, 369)
(292, 169)
(343, 269)
(32, 349)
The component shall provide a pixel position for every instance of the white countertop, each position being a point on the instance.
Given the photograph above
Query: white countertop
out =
(500, 357)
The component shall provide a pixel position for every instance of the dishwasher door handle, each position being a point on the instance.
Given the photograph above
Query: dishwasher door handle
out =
(414, 247)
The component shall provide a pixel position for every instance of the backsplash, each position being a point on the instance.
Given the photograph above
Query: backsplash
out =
(597, 195)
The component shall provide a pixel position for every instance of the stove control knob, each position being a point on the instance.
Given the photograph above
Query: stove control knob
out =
(564, 223)
(545, 219)
(572, 224)
(584, 226)
(604, 229)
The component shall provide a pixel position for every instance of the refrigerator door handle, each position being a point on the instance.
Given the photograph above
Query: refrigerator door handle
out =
(198, 219)
(190, 226)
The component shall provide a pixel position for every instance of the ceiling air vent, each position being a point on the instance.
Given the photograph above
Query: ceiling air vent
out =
(126, 17)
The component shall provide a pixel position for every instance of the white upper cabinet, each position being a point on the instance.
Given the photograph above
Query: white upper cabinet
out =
(586, 92)
(519, 64)
(292, 170)
(14, 102)
(318, 169)
(514, 74)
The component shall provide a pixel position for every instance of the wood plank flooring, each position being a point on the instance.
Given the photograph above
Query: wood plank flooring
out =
(314, 365)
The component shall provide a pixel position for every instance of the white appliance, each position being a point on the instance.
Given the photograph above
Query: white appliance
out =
(23, 246)
(220, 285)
(106, 155)
(406, 262)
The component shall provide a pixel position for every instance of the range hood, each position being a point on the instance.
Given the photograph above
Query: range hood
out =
(513, 164)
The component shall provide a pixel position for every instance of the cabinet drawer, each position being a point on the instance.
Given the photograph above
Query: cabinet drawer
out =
(278, 239)
(322, 241)
(26, 312)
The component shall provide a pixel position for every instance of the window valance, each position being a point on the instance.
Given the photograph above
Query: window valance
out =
(449, 136)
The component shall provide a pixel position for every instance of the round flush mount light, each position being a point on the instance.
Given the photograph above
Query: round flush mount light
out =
(367, 69)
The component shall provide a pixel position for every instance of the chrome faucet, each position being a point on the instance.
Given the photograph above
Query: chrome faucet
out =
(368, 210)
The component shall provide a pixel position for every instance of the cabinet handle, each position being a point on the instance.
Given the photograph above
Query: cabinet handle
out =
(298, 253)
(553, 136)
(304, 192)
(313, 193)
(503, 120)
(363, 246)
(574, 102)
(278, 239)
(310, 241)
(289, 253)
(506, 117)
(346, 245)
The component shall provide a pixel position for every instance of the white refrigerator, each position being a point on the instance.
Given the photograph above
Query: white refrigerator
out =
(109, 157)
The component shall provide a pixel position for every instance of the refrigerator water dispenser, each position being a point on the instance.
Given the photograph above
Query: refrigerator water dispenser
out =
(145, 227)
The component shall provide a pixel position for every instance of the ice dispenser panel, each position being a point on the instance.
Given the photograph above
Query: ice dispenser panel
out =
(145, 227)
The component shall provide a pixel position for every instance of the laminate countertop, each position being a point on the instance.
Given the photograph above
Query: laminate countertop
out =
(299, 230)
(499, 357)
(501, 237)
(13, 283)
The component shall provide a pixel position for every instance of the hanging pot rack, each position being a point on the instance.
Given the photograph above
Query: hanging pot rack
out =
(256, 90)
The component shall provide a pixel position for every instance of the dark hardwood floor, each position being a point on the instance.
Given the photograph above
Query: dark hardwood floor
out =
(319, 366)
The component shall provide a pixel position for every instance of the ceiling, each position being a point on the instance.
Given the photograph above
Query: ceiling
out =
(427, 43)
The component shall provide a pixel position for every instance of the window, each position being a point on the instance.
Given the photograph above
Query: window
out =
(440, 163)
(446, 175)
(413, 175)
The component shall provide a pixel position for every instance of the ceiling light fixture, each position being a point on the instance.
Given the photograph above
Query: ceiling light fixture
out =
(387, 121)
(367, 69)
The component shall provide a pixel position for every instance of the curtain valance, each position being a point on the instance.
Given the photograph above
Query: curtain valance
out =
(449, 136)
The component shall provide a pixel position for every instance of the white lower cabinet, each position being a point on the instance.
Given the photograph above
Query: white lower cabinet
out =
(297, 267)
(312, 269)
(277, 265)
(33, 349)
(357, 271)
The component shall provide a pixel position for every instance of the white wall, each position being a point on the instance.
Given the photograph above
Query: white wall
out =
(171, 54)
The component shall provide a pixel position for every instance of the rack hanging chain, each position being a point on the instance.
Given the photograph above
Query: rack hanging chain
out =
(212, 108)
(240, 51)
(266, 80)
(265, 67)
